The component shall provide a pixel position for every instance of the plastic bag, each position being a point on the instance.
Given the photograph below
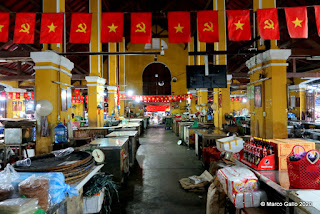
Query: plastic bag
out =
(19, 205)
(63, 152)
(6, 177)
(36, 187)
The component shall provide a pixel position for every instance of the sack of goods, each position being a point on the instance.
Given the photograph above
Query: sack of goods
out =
(241, 186)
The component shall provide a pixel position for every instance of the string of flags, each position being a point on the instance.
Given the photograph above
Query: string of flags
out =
(17, 95)
(179, 28)
(165, 99)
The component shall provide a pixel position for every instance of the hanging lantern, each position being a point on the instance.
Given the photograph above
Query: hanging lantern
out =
(81, 101)
(32, 95)
(76, 92)
(73, 101)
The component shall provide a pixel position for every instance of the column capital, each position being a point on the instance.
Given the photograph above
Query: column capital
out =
(112, 88)
(51, 57)
(273, 54)
(95, 79)
(192, 92)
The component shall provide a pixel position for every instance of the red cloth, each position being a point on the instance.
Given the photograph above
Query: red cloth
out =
(4, 26)
(112, 27)
(80, 30)
(141, 24)
(179, 27)
(297, 21)
(239, 27)
(268, 23)
(208, 26)
(51, 28)
(317, 13)
(24, 28)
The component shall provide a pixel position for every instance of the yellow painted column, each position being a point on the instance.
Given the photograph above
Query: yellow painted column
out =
(122, 81)
(216, 92)
(269, 120)
(50, 67)
(302, 93)
(54, 6)
(96, 88)
(224, 96)
(112, 100)
(263, 4)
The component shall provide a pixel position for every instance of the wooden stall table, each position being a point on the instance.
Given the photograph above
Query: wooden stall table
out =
(133, 135)
(205, 138)
(92, 132)
(116, 156)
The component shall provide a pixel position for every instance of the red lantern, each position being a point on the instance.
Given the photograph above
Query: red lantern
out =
(153, 98)
(76, 92)
(232, 99)
(145, 98)
(81, 101)
(174, 98)
(73, 101)
(236, 99)
(170, 98)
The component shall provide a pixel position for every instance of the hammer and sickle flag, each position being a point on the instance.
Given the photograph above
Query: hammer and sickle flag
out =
(268, 23)
(297, 21)
(80, 30)
(51, 28)
(179, 27)
(4, 26)
(141, 28)
(239, 27)
(208, 26)
(24, 28)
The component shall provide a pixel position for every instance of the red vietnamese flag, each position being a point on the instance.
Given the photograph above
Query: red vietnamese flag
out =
(317, 13)
(208, 26)
(4, 26)
(239, 28)
(24, 28)
(141, 24)
(179, 27)
(112, 27)
(268, 23)
(297, 21)
(51, 28)
(80, 30)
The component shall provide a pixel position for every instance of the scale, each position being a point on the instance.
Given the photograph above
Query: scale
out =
(98, 156)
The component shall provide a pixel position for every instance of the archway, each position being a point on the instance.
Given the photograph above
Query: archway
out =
(156, 79)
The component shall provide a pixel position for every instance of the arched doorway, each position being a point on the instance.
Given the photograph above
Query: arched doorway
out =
(156, 79)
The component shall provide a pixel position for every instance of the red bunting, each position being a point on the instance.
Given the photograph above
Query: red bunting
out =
(239, 27)
(4, 26)
(317, 13)
(10, 95)
(25, 95)
(51, 28)
(80, 30)
(179, 27)
(268, 23)
(24, 28)
(208, 26)
(18, 96)
(32, 95)
(112, 27)
(141, 24)
(297, 21)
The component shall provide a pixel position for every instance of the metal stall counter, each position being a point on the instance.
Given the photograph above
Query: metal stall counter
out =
(133, 135)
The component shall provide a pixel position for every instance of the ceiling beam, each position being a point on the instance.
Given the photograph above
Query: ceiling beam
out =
(17, 78)
(302, 75)
(9, 70)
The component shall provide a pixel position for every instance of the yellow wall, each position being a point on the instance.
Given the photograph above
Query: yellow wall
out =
(78, 110)
(176, 58)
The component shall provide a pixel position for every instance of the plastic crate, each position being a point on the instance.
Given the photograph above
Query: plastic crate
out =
(93, 204)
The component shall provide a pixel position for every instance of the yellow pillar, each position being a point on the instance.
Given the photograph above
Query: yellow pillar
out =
(224, 97)
(54, 6)
(302, 93)
(50, 67)
(216, 118)
(269, 120)
(96, 88)
(261, 4)
(122, 81)
(112, 79)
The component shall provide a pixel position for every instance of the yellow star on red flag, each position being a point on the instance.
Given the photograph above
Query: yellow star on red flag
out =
(179, 28)
(52, 27)
(1, 26)
(112, 28)
(239, 25)
(297, 22)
